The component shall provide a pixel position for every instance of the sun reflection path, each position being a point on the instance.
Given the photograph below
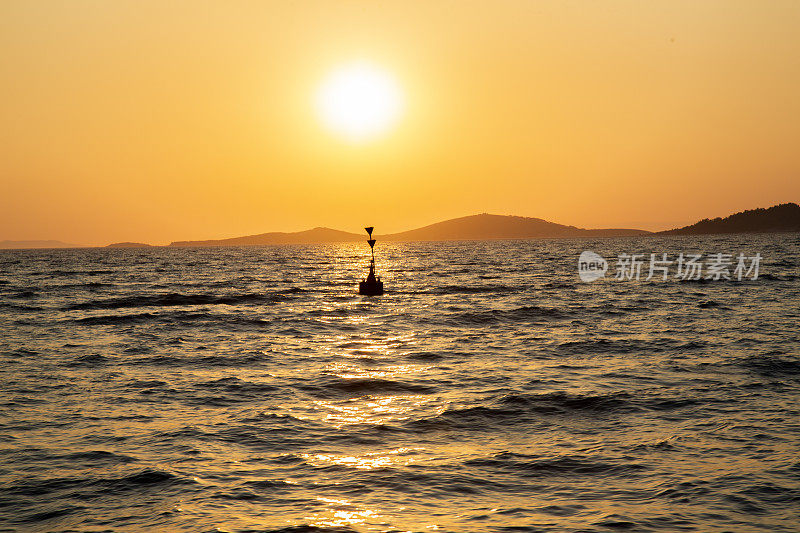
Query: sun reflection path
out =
(374, 387)
(340, 513)
(352, 371)
(379, 411)
(367, 461)
(366, 379)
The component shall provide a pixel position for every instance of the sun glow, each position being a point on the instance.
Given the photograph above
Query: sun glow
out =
(359, 101)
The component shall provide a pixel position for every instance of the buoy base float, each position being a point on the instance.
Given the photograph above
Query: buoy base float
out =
(372, 286)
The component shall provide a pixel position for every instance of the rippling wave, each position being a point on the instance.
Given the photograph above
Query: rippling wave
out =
(252, 390)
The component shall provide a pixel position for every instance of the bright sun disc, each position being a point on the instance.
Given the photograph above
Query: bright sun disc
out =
(359, 101)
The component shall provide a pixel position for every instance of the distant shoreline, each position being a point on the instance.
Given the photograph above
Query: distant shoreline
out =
(783, 218)
(267, 245)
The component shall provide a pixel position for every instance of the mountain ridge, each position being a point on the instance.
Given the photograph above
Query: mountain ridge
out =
(483, 226)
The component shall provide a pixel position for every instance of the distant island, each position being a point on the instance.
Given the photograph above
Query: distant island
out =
(777, 219)
(474, 227)
(129, 245)
(14, 245)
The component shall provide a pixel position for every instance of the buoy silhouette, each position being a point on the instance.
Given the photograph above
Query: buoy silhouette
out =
(371, 286)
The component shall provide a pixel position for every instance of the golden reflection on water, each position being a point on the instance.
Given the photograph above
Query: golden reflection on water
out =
(360, 358)
(341, 513)
(372, 407)
(381, 410)
(351, 371)
(366, 461)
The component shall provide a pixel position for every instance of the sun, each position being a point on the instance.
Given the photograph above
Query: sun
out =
(359, 101)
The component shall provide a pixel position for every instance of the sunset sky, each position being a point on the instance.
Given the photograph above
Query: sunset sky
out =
(137, 121)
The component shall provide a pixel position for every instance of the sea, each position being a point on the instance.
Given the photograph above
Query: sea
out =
(489, 390)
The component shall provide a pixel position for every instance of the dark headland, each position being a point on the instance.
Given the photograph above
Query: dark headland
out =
(781, 218)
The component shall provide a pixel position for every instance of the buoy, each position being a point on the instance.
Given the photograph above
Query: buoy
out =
(371, 286)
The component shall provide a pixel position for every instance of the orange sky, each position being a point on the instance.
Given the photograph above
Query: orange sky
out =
(136, 121)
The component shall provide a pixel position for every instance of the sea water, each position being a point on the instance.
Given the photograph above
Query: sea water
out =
(489, 389)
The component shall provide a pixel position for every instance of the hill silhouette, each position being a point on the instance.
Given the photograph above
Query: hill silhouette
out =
(776, 219)
(311, 236)
(474, 227)
(129, 245)
(489, 227)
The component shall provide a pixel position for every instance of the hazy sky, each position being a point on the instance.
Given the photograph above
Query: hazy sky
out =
(159, 121)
